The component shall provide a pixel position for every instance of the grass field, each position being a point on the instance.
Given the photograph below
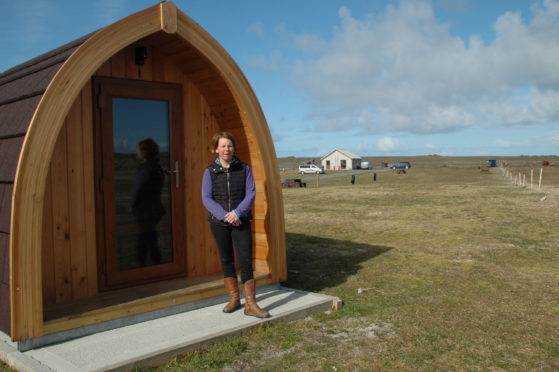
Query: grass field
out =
(445, 268)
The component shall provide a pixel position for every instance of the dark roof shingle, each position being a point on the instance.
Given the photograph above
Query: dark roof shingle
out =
(6, 191)
(15, 117)
(21, 89)
(9, 153)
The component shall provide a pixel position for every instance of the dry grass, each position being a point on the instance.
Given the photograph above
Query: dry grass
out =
(444, 268)
(5, 368)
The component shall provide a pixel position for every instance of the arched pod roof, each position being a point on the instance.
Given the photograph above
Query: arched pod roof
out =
(47, 120)
(21, 90)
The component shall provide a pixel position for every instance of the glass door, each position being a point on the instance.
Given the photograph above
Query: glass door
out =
(140, 201)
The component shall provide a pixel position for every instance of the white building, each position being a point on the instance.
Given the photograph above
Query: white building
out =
(341, 159)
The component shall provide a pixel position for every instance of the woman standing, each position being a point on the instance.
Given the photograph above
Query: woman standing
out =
(228, 194)
(145, 202)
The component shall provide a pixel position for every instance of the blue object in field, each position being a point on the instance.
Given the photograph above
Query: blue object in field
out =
(492, 162)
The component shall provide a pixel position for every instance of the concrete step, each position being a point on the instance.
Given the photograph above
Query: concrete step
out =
(155, 341)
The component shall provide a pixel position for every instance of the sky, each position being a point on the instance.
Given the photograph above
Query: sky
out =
(375, 77)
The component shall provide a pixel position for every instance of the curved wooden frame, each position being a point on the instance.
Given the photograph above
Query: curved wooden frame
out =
(48, 119)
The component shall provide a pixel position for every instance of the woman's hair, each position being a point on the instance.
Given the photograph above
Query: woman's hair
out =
(149, 148)
(217, 136)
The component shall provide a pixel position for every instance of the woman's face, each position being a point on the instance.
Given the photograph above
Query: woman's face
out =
(140, 155)
(225, 149)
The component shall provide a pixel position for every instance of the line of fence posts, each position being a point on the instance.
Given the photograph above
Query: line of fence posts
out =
(352, 181)
(520, 179)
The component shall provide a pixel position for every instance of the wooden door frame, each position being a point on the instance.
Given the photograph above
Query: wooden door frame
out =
(104, 89)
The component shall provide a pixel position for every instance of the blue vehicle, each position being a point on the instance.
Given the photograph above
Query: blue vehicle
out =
(491, 163)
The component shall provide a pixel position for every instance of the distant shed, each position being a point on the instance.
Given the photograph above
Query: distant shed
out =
(69, 121)
(341, 159)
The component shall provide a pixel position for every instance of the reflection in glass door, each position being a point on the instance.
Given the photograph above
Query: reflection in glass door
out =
(142, 183)
(138, 166)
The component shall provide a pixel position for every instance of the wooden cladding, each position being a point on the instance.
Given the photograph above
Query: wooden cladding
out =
(69, 229)
(69, 244)
(179, 51)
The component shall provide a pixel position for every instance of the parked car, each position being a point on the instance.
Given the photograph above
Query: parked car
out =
(492, 162)
(401, 165)
(310, 168)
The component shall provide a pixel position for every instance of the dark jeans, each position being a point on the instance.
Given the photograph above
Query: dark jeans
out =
(147, 242)
(234, 241)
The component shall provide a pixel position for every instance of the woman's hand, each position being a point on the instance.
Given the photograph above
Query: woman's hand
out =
(232, 218)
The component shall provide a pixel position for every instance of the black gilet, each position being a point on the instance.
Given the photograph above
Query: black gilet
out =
(228, 185)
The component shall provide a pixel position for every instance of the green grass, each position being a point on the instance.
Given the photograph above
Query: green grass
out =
(444, 268)
(6, 368)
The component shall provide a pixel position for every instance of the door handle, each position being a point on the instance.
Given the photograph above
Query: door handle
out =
(175, 172)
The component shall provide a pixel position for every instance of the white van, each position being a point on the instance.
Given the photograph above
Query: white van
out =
(310, 168)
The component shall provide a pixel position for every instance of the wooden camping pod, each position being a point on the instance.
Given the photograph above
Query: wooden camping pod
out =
(49, 220)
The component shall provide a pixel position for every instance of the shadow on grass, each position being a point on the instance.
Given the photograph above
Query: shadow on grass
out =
(315, 263)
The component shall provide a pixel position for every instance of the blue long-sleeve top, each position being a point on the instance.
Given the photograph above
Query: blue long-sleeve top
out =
(145, 200)
(244, 207)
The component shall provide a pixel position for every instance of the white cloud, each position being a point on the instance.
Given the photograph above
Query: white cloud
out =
(538, 106)
(402, 71)
(257, 29)
(310, 43)
(388, 144)
(271, 62)
(280, 28)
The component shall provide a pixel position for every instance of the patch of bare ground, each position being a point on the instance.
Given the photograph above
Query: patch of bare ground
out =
(334, 339)
(352, 329)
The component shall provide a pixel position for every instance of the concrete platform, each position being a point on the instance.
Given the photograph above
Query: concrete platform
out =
(155, 341)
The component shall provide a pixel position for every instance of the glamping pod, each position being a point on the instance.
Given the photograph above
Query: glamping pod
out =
(69, 124)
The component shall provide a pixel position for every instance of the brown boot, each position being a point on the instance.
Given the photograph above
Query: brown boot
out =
(251, 308)
(234, 299)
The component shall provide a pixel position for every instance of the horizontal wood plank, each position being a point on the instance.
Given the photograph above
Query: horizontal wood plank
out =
(201, 289)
